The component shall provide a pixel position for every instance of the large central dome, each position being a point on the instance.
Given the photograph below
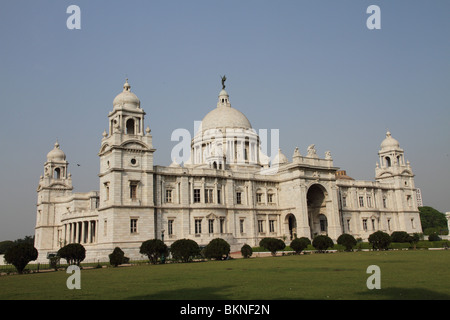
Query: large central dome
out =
(224, 116)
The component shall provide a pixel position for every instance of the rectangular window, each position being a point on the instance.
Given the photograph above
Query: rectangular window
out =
(361, 201)
(260, 226)
(219, 196)
(222, 224)
(271, 225)
(196, 195)
(238, 198)
(348, 225)
(168, 196)
(211, 225)
(198, 226)
(259, 197)
(133, 190)
(270, 198)
(369, 201)
(170, 227)
(133, 225)
(365, 224)
(409, 200)
(373, 224)
(241, 225)
(389, 224)
(384, 203)
(209, 195)
(344, 201)
(106, 184)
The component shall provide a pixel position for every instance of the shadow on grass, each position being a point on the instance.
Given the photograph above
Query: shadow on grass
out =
(204, 293)
(403, 294)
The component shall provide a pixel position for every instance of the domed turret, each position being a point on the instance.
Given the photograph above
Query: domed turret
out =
(56, 154)
(389, 143)
(126, 99)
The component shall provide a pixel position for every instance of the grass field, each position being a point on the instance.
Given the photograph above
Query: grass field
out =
(404, 275)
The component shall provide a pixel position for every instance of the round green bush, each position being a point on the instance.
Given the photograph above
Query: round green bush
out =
(272, 244)
(74, 253)
(20, 254)
(154, 249)
(300, 244)
(117, 257)
(400, 236)
(347, 240)
(184, 250)
(380, 240)
(322, 243)
(434, 237)
(246, 251)
(217, 249)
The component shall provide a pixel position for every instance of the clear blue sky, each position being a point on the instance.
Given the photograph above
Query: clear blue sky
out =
(309, 68)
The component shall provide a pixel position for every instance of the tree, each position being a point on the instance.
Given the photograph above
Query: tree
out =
(433, 220)
(272, 244)
(154, 249)
(74, 253)
(380, 240)
(216, 249)
(300, 244)
(184, 250)
(246, 251)
(117, 257)
(322, 243)
(414, 239)
(20, 254)
(5, 245)
(434, 237)
(347, 240)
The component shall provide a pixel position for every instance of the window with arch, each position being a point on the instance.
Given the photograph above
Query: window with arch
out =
(130, 126)
(388, 161)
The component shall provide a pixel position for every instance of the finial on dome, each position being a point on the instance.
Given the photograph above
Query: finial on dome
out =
(56, 144)
(126, 86)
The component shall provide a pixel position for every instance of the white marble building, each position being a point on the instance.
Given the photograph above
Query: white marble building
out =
(227, 189)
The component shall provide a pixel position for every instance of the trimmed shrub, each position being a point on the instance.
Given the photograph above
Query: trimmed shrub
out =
(434, 237)
(20, 254)
(347, 240)
(380, 240)
(246, 251)
(117, 257)
(272, 244)
(216, 249)
(74, 253)
(184, 250)
(322, 243)
(400, 236)
(154, 249)
(300, 244)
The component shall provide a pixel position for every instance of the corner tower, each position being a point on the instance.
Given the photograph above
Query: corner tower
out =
(126, 174)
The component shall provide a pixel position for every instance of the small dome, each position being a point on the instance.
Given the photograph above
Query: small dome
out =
(126, 98)
(56, 154)
(389, 142)
(280, 158)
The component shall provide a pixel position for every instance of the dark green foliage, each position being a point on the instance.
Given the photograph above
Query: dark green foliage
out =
(216, 249)
(433, 220)
(246, 251)
(300, 244)
(272, 244)
(434, 237)
(4, 245)
(322, 243)
(117, 257)
(400, 236)
(20, 254)
(154, 249)
(74, 253)
(184, 250)
(347, 240)
(380, 240)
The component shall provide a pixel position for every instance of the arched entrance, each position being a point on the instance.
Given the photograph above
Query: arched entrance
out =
(317, 210)
(291, 223)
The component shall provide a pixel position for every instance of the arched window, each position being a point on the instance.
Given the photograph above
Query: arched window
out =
(130, 126)
(388, 161)
(57, 173)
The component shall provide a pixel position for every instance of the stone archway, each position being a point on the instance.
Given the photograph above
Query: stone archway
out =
(317, 197)
(291, 224)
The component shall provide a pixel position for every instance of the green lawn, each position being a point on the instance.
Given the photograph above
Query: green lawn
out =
(404, 275)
